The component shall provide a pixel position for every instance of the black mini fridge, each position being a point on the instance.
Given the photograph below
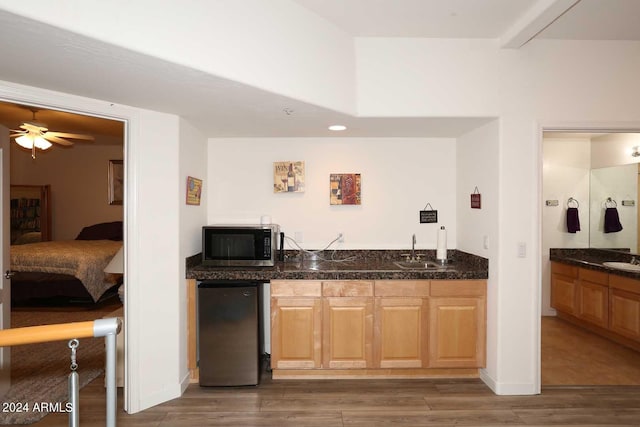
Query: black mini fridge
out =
(229, 333)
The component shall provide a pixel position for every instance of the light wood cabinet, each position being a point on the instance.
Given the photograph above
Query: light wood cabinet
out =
(457, 324)
(625, 306)
(563, 287)
(605, 303)
(347, 321)
(296, 317)
(375, 328)
(401, 333)
(593, 297)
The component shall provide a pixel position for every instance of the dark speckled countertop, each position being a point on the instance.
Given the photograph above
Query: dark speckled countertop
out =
(593, 258)
(347, 265)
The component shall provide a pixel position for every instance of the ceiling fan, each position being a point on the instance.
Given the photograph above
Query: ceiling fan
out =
(32, 135)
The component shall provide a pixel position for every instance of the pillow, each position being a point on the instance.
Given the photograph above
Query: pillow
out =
(102, 231)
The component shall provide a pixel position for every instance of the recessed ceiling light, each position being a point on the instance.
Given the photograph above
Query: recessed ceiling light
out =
(337, 127)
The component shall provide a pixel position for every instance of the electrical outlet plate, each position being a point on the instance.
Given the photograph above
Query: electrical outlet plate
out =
(340, 237)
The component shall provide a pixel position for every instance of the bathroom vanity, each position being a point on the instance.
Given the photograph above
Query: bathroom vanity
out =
(588, 292)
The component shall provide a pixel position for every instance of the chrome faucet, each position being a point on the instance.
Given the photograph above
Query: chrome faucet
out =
(411, 257)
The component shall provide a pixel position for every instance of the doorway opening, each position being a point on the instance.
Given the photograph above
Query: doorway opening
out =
(583, 174)
(67, 194)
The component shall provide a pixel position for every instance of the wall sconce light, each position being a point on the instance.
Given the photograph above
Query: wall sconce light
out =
(635, 152)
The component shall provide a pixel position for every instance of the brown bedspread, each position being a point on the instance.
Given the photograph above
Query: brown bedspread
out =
(83, 259)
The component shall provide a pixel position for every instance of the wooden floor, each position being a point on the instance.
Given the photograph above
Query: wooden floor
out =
(371, 403)
(575, 356)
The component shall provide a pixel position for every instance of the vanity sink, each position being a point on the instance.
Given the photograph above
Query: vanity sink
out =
(626, 266)
(418, 265)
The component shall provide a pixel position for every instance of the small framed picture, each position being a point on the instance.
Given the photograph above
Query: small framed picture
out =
(116, 182)
(288, 177)
(194, 190)
(345, 189)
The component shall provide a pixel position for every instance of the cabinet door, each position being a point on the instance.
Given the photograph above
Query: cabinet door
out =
(295, 333)
(347, 332)
(400, 333)
(457, 332)
(625, 313)
(563, 293)
(593, 303)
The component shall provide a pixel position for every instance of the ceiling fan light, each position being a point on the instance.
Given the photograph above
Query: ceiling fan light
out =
(25, 141)
(42, 143)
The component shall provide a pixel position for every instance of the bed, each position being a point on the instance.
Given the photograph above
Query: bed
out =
(69, 271)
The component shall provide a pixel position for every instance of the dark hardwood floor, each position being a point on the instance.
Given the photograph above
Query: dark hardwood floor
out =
(371, 403)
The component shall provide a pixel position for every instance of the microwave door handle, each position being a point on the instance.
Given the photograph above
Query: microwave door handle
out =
(281, 253)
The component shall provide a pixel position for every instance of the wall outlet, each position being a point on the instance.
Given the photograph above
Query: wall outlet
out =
(298, 236)
(340, 237)
(485, 242)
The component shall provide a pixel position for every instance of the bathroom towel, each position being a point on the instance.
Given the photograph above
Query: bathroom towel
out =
(611, 221)
(573, 221)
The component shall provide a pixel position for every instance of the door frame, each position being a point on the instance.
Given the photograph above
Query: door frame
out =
(5, 236)
(578, 127)
(15, 93)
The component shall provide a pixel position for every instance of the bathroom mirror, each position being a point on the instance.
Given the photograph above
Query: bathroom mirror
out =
(620, 184)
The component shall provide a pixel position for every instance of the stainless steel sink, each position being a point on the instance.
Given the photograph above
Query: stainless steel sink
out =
(418, 265)
(626, 266)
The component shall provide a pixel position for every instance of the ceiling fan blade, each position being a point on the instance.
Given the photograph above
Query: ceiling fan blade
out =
(69, 135)
(56, 139)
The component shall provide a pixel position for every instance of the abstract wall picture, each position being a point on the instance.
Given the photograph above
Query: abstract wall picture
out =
(288, 177)
(345, 189)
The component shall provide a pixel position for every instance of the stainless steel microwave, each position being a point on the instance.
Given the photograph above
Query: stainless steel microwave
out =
(240, 245)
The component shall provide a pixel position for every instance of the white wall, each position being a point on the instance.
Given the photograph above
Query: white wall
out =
(399, 177)
(618, 183)
(298, 53)
(78, 179)
(614, 149)
(193, 162)
(478, 229)
(546, 83)
(565, 168)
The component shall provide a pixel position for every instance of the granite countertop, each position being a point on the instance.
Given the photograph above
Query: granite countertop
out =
(347, 265)
(593, 259)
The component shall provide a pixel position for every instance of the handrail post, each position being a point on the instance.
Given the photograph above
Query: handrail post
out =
(109, 328)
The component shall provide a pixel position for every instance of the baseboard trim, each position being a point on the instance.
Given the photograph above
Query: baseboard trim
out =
(507, 389)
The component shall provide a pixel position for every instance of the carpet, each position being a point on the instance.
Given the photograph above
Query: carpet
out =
(39, 372)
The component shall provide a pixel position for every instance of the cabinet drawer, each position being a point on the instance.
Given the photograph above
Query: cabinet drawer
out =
(564, 269)
(296, 288)
(624, 283)
(347, 288)
(458, 288)
(593, 276)
(402, 288)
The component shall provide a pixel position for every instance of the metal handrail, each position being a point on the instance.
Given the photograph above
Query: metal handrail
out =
(107, 328)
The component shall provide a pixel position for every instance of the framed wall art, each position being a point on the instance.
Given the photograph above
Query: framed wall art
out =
(116, 182)
(194, 190)
(345, 189)
(288, 177)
